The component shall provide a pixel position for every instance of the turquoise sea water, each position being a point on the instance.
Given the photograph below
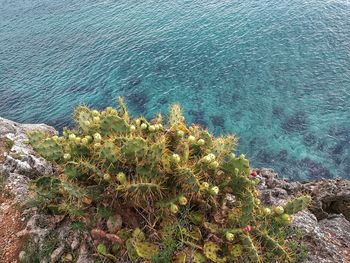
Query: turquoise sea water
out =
(276, 73)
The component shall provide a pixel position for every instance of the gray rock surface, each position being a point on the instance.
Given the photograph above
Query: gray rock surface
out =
(21, 163)
(325, 226)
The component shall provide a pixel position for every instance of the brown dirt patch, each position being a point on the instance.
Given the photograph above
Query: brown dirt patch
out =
(10, 225)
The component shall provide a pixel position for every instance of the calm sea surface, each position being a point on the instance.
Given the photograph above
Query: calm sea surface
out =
(276, 73)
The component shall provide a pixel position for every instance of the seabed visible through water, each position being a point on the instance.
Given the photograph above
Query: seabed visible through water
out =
(277, 74)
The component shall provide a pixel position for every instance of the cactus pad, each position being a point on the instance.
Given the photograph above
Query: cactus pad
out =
(145, 250)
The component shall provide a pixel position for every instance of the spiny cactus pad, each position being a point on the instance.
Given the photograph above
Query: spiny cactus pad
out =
(211, 251)
(173, 181)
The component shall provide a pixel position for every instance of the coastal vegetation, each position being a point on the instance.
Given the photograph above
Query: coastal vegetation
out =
(161, 191)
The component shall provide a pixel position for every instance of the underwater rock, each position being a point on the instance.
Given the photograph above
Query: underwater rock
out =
(310, 139)
(134, 81)
(228, 99)
(315, 170)
(138, 100)
(340, 132)
(338, 148)
(217, 120)
(198, 117)
(295, 123)
(265, 156)
(282, 155)
(163, 101)
(277, 111)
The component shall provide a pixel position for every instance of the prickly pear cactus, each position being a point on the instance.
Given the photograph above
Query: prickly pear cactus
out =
(194, 200)
(145, 250)
(211, 251)
(297, 204)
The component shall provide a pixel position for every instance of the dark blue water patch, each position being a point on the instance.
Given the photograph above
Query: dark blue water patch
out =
(339, 148)
(229, 98)
(265, 156)
(315, 170)
(347, 167)
(198, 117)
(341, 133)
(295, 123)
(218, 121)
(163, 101)
(138, 101)
(277, 111)
(81, 89)
(310, 139)
(282, 156)
(134, 81)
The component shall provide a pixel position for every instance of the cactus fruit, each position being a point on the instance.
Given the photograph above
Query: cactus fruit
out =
(229, 236)
(183, 200)
(214, 190)
(174, 208)
(207, 159)
(286, 219)
(107, 177)
(95, 113)
(253, 173)
(176, 158)
(205, 185)
(121, 177)
(267, 211)
(180, 134)
(152, 128)
(279, 210)
(192, 195)
(200, 142)
(247, 228)
(214, 165)
(138, 122)
(97, 137)
(191, 139)
(72, 137)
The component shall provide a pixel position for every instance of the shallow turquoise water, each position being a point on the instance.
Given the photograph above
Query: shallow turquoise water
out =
(276, 73)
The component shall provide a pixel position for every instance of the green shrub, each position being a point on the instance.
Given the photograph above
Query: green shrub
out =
(197, 200)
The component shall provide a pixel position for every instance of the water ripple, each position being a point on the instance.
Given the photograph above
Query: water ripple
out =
(275, 73)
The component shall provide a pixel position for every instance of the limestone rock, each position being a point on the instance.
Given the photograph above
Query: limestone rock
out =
(330, 196)
(20, 162)
(326, 226)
